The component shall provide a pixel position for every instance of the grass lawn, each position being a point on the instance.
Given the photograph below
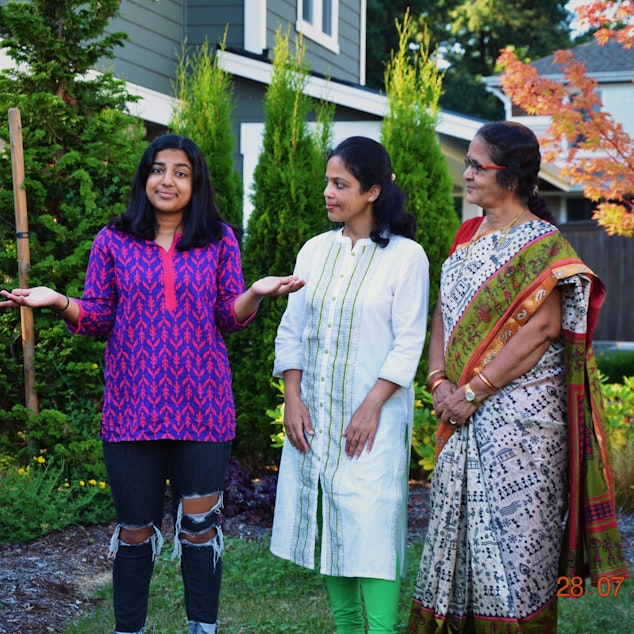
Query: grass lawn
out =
(262, 594)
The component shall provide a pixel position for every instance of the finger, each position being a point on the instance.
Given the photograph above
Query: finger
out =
(298, 443)
(359, 448)
(351, 445)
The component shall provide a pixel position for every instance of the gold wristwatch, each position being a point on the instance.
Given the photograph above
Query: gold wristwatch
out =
(469, 394)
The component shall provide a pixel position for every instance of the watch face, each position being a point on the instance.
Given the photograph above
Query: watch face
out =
(469, 394)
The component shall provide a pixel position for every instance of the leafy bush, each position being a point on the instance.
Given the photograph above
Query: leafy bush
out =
(288, 210)
(38, 499)
(205, 103)
(424, 431)
(413, 85)
(72, 439)
(618, 402)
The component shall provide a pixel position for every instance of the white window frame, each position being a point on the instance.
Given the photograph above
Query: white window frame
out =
(255, 26)
(315, 30)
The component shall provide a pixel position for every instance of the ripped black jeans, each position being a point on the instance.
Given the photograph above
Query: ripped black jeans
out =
(137, 474)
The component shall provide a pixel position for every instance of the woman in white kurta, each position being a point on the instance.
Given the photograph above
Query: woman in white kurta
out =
(348, 347)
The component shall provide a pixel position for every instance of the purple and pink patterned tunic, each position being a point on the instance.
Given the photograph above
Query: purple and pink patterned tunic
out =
(167, 374)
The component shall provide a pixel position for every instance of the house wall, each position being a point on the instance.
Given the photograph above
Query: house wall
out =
(342, 66)
(209, 19)
(156, 31)
(617, 100)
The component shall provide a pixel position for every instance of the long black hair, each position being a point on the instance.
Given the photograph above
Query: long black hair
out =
(369, 162)
(202, 222)
(516, 147)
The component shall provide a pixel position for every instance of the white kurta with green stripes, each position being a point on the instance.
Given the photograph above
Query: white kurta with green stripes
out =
(360, 317)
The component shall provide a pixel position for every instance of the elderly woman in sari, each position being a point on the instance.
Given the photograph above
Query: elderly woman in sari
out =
(522, 493)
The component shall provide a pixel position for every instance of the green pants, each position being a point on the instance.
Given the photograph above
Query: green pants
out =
(379, 596)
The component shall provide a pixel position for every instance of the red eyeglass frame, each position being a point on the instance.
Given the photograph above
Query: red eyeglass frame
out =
(468, 163)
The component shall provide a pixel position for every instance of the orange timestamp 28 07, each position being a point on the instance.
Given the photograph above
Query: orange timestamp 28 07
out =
(573, 586)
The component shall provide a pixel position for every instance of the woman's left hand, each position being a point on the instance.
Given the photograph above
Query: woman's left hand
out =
(274, 286)
(361, 429)
(364, 423)
(454, 409)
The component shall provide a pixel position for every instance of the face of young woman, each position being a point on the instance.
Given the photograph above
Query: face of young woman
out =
(481, 184)
(345, 202)
(169, 184)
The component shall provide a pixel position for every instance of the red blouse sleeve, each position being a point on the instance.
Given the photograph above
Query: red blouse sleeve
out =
(466, 232)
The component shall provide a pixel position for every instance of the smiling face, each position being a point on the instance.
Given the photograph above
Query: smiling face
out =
(345, 202)
(481, 185)
(169, 183)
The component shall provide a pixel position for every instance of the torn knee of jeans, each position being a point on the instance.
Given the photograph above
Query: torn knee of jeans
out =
(199, 530)
(155, 539)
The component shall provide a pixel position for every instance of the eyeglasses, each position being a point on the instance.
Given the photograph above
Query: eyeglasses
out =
(477, 168)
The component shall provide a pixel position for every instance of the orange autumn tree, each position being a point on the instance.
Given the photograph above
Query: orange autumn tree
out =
(597, 152)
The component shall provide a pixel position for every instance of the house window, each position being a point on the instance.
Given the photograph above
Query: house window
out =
(579, 209)
(318, 20)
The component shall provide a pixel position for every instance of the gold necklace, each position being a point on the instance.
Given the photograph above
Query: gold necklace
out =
(506, 229)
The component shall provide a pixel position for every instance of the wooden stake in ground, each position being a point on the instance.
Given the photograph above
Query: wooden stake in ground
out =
(24, 258)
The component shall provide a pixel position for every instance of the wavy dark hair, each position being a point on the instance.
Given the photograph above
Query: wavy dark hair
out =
(202, 221)
(516, 147)
(369, 162)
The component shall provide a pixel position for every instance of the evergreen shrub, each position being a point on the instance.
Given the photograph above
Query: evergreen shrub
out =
(413, 87)
(81, 147)
(203, 113)
(288, 209)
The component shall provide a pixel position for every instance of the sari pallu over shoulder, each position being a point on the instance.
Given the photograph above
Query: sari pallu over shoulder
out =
(505, 302)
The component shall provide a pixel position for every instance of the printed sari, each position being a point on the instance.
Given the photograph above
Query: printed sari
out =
(522, 494)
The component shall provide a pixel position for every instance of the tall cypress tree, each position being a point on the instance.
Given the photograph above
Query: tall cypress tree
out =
(413, 85)
(288, 209)
(203, 113)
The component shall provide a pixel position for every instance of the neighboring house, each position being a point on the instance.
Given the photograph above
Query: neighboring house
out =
(612, 258)
(334, 36)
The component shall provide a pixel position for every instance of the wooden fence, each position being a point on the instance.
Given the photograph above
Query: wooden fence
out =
(612, 259)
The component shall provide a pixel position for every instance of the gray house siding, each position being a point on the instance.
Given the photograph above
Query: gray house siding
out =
(343, 66)
(346, 65)
(156, 30)
(209, 19)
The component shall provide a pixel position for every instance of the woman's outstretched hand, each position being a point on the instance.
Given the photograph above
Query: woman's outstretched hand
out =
(274, 286)
(270, 286)
(37, 297)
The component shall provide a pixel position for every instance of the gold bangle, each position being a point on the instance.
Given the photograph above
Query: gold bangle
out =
(434, 372)
(486, 381)
(436, 383)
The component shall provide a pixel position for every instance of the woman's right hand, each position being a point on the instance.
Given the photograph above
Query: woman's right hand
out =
(297, 423)
(37, 297)
(441, 393)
